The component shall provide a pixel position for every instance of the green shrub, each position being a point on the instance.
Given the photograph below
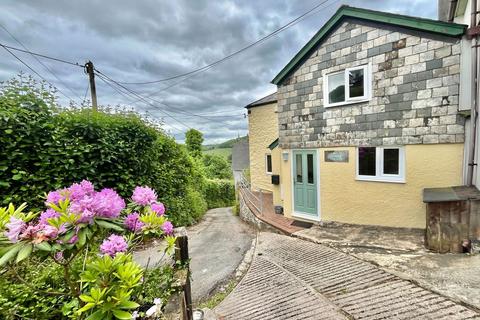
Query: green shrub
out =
(26, 300)
(217, 167)
(219, 193)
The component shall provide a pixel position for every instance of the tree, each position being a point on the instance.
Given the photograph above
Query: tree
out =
(194, 140)
(217, 167)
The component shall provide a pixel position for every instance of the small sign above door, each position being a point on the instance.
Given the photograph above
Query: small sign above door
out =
(336, 156)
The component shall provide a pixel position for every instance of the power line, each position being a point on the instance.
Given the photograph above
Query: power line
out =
(39, 61)
(160, 102)
(204, 68)
(129, 97)
(42, 55)
(131, 92)
(33, 70)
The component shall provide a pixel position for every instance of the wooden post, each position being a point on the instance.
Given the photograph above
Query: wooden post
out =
(91, 74)
(181, 254)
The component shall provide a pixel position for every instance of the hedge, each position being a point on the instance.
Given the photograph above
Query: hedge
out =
(219, 193)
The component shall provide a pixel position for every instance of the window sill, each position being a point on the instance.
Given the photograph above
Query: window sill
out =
(346, 103)
(380, 179)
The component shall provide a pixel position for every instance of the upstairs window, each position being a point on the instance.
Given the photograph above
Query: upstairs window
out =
(268, 163)
(348, 86)
(385, 164)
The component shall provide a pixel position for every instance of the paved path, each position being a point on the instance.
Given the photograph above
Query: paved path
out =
(296, 279)
(217, 246)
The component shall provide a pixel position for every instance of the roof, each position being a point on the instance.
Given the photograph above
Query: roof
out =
(265, 100)
(240, 155)
(414, 23)
(273, 145)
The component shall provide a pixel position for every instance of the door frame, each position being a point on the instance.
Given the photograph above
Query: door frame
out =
(302, 215)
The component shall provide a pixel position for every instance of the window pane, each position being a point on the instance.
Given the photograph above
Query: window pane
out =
(269, 163)
(366, 161)
(310, 168)
(336, 88)
(391, 161)
(299, 168)
(355, 83)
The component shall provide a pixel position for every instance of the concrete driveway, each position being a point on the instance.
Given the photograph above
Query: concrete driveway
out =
(295, 279)
(217, 246)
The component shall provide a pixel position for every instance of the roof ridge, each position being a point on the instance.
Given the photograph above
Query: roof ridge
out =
(269, 98)
(410, 22)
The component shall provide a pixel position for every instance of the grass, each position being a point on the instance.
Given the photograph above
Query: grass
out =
(219, 296)
(223, 152)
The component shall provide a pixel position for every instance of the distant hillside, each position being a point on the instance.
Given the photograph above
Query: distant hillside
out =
(223, 149)
(231, 142)
(224, 145)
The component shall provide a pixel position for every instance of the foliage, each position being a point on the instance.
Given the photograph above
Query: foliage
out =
(157, 284)
(219, 193)
(231, 142)
(108, 286)
(216, 167)
(76, 219)
(32, 298)
(193, 141)
(44, 147)
(223, 152)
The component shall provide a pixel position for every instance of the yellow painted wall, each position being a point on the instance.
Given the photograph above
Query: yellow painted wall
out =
(347, 200)
(263, 130)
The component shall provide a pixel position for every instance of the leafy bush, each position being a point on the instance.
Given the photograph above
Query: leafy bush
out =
(27, 299)
(217, 167)
(44, 147)
(219, 193)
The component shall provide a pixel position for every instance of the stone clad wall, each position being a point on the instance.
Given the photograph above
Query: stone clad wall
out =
(415, 85)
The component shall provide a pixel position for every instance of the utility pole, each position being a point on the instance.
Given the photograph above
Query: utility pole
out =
(91, 74)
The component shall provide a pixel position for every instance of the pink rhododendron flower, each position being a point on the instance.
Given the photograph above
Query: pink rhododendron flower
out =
(73, 240)
(107, 203)
(132, 222)
(113, 245)
(158, 208)
(144, 196)
(14, 228)
(167, 227)
(50, 231)
(58, 256)
(78, 191)
(86, 216)
(48, 214)
(55, 196)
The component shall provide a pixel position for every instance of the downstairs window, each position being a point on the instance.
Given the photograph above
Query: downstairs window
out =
(386, 164)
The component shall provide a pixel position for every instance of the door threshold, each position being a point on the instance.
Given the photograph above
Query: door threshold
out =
(304, 216)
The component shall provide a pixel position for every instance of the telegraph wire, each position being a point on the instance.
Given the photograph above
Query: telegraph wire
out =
(131, 92)
(39, 61)
(76, 64)
(129, 97)
(38, 74)
(204, 68)
(160, 102)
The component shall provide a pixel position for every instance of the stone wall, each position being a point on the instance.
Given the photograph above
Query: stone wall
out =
(415, 86)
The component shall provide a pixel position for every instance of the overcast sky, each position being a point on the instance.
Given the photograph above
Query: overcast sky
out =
(139, 41)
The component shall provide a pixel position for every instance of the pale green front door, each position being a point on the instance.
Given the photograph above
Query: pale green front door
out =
(305, 182)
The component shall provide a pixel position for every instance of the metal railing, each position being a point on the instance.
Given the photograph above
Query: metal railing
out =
(245, 190)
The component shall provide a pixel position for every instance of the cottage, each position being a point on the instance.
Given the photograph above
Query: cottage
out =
(366, 115)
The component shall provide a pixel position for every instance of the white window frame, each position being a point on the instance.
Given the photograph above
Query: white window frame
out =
(379, 175)
(367, 86)
(266, 163)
